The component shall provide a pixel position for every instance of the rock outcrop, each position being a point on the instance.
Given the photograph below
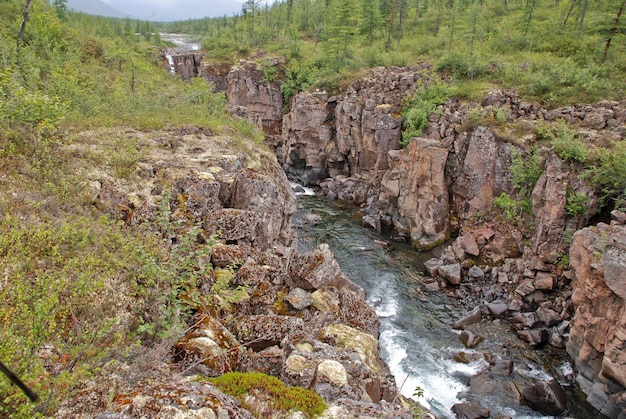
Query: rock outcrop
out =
(268, 308)
(597, 340)
(254, 97)
(445, 184)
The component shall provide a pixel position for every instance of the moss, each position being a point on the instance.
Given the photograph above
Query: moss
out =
(282, 398)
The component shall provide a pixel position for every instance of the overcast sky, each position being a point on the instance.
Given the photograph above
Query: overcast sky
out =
(176, 9)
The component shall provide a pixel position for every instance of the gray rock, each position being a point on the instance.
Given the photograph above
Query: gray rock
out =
(299, 298)
(451, 273)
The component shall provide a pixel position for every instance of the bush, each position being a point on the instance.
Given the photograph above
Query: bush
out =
(421, 106)
(564, 142)
(525, 171)
(298, 77)
(282, 398)
(609, 174)
(513, 209)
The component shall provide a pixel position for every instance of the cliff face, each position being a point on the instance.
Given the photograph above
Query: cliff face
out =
(598, 335)
(447, 181)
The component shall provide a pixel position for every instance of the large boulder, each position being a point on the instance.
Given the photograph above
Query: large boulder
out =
(546, 397)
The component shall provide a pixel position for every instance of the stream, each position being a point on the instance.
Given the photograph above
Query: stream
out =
(417, 339)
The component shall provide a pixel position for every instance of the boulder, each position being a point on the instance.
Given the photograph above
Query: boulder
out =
(299, 298)
(262, 331)
(451, 273)
(546, 397)
(534, 336)
(469, 339)
(498, 309)
(319, 269)
(475, 316)
(468, 410)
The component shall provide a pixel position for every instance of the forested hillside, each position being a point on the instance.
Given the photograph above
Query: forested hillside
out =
(556, 51)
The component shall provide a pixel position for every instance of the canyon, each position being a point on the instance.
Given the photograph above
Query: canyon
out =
(439, 191)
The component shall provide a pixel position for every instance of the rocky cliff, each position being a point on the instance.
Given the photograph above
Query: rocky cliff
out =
(597, 340)
(272, 310)
(445, 184)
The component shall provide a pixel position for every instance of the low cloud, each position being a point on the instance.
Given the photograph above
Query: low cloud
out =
(167, 10)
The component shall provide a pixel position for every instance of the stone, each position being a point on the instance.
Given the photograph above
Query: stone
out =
(469, 339)
(332, 372)
(534, 336)
(319, 269)
(262, 331)
(475, 316)
(462, 357)
(299, 298)
(451, 273)
(469, 244)
(357, 313)
(547, 316)
(432, 266)
(525, 288)
(475, 273)
(498, 309)
(468, 410)
(544, 281)
(327, 300)
(365, 345)
(546, 397)
(523, 320)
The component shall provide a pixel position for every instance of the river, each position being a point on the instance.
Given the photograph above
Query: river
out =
(417, 339)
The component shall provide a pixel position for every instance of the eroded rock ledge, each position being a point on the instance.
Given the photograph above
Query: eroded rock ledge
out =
(294, 316)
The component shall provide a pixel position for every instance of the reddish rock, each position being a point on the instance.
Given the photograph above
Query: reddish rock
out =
(472, 317)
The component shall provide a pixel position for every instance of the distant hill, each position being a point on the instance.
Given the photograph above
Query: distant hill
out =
(95, 7)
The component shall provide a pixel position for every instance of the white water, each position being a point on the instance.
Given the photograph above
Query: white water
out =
(183, 44)
(301, 190)
(417, 340)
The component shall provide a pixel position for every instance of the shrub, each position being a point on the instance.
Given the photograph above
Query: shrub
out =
(513, 209)
(564, 141)
(282, 398)
(298, 77)
(577, 204)
(421, 106)
(610, 174)
(525, 171)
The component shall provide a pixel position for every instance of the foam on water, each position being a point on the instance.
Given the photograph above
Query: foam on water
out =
(301, 190)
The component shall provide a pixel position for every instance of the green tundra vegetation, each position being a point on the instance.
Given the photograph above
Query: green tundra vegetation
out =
(64, 261)
(72, 272)
(555, 51)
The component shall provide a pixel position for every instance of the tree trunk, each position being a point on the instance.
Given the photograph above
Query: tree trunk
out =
(401, 23)
(613, 30)
(20, 37)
